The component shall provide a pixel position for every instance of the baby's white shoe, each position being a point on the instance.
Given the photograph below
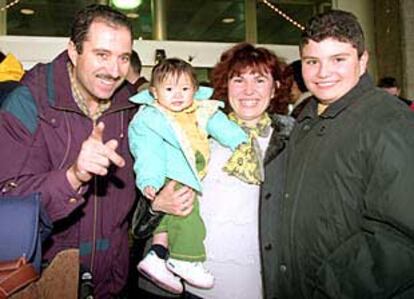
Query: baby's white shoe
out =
(192, 272)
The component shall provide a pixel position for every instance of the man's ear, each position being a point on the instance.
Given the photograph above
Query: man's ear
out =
(363, 62)
(73, 54)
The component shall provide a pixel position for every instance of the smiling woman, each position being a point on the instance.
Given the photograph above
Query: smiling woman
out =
(250, 79)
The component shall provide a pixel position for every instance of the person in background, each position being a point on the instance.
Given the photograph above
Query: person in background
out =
(345, 227)
(390, 85)
(134, 73)
(11, 71)
(299, 93)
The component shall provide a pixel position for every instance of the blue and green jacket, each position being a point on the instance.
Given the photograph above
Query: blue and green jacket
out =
(161, 153)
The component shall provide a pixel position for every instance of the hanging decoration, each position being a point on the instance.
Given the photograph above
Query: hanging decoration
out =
(283, 15)
(7, 6)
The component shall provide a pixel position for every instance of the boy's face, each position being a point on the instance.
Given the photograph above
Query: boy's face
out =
(175, 94)
(331, 68)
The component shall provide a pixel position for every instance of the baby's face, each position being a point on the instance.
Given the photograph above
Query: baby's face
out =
(174, 93)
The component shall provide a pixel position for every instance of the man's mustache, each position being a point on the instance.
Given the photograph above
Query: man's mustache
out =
(108, 77)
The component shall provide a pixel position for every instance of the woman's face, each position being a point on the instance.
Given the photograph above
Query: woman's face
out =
(249, 95)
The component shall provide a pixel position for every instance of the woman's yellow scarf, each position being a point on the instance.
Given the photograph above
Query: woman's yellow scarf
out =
(246, 163)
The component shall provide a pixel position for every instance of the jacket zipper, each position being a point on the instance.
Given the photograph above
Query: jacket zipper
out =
(95, 216)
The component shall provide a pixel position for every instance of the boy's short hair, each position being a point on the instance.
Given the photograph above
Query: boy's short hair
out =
(172, 67)
(337, 24)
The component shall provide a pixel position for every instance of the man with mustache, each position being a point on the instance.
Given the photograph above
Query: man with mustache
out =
(64, 131)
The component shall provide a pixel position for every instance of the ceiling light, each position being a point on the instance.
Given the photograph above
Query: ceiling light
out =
(132, 15)
(27, 11)
(126, 4)
(228, 20)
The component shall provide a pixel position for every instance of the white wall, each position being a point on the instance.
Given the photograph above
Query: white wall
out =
(30, 50)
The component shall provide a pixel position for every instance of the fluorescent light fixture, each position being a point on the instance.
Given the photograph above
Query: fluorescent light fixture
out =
(228, 20)
(126, 4)
(27, 11)
(132, 15)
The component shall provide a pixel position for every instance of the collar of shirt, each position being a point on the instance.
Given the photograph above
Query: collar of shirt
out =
(103, 105)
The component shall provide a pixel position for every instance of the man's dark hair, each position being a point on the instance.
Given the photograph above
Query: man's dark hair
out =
(337, 24)
(91, 13)
(388, 82)
(136, 64)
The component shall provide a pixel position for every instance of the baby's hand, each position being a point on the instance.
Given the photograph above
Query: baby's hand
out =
(149, 192)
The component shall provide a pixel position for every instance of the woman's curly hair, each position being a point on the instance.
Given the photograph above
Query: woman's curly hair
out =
(246, 57)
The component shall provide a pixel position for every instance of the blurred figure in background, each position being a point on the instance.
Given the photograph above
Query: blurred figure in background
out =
(390, 85)
(11, 71)
(134, 74)
(298, 91)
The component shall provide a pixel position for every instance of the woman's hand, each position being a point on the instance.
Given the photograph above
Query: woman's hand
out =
(149, 192)
(175, 202)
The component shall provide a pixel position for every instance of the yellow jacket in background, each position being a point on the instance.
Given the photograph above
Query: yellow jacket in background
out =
(11, 69)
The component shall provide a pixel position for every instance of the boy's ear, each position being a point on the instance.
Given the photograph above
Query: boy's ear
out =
(363, 62)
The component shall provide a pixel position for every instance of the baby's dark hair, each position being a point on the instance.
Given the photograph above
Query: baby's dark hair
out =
(337, 24)
(172, 67)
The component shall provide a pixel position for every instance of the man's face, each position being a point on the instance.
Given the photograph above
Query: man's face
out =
(174, 93)
(331, 68)
(104, 62)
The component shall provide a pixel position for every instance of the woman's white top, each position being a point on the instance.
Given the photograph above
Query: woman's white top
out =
(230, 210)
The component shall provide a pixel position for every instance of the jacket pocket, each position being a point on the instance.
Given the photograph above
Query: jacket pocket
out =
(375, 263)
